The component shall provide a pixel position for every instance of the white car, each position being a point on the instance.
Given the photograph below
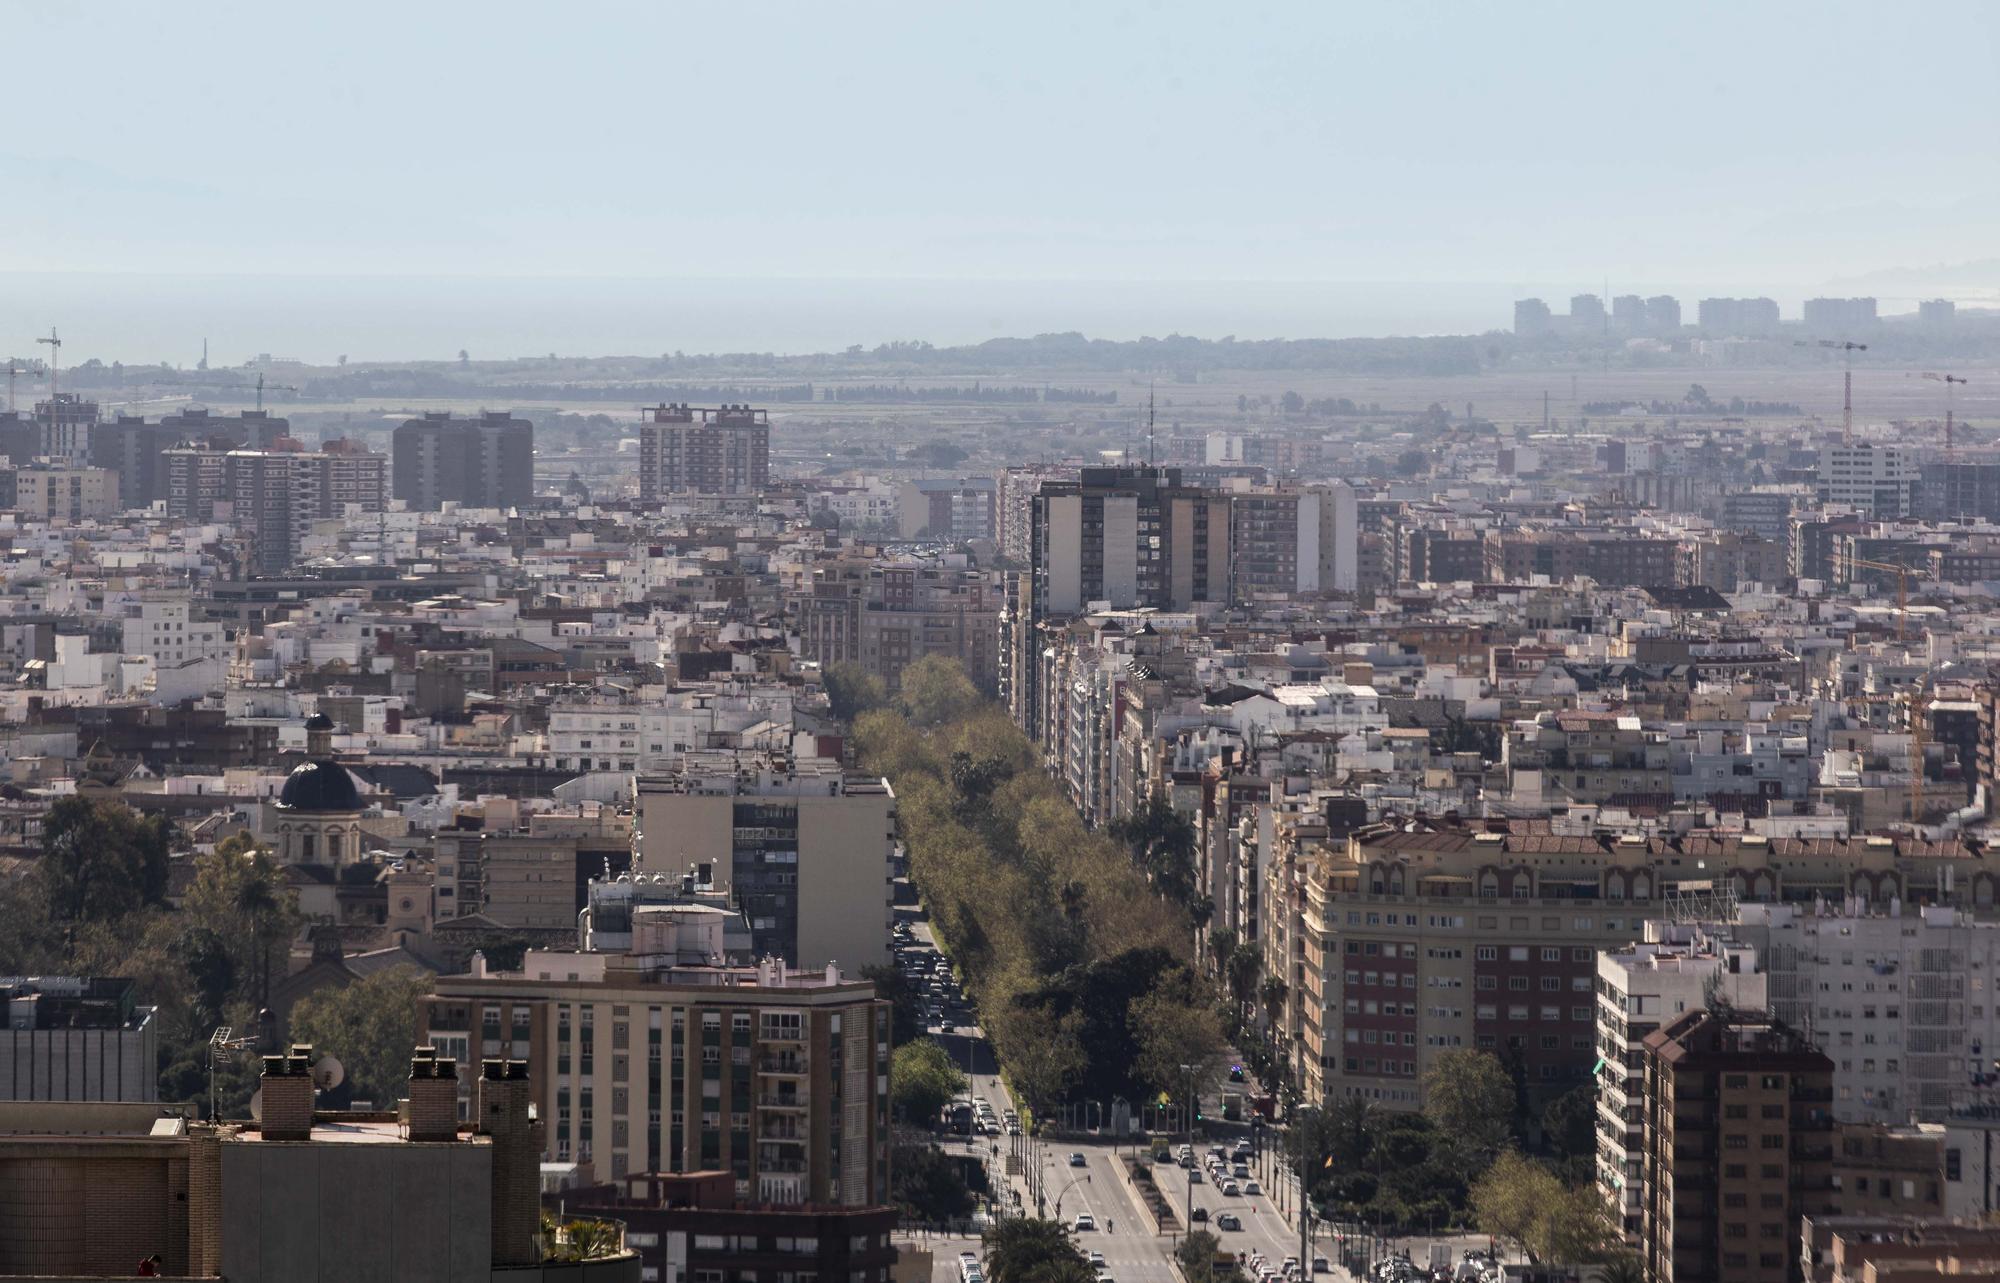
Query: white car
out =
(1085, 1223)
(1097, 1261)
(1230, 1187)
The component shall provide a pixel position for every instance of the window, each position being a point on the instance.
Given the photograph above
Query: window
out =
(1486, 953)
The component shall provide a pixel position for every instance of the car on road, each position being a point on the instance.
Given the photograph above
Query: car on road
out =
(1231, 1187)
(1252, 1189)
(1320, 1265)
(1078, 1160)
(1085, 1223)
(1013, 1127)
(1228, 1221)
(1097, 1260)
(1194, 1175)
(1241, 1171)
(1199, 1216)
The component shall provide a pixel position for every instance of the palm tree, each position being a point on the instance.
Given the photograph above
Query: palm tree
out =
(257, 900)
(1625, 1267)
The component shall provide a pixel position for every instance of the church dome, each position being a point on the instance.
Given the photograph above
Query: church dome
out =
(320, 786)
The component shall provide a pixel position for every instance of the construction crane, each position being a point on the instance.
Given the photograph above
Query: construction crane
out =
(232, 386)
(13, 371)
(1902, 574)
(1847, 351)
(1947, 380)
(55, 352)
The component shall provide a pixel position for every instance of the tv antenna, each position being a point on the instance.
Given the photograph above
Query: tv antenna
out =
(1149, 425)
(222, 1041)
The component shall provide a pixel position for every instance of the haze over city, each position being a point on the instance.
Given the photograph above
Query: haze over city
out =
(669, 643)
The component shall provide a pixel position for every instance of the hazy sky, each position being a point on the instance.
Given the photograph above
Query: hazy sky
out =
(1320, 140)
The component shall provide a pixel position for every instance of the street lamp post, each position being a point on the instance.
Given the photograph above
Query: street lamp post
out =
(1188, 1105)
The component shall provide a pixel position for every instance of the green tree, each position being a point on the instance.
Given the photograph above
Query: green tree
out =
(1197, 1258)
(238, 897)
(852, 690)
(935, 690)
(1174, 1027)
(102, 860)
(371, 1025)
(1241, 972)
(1470, 1098)
(1162, 842)
(1569, 1122)
(922, 1081)
(1508, 1200)
(1029, 1249)
(905, 1006)
(928, 1185)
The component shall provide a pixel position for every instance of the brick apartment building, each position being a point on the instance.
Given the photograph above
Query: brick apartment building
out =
(1739, 1145)
(1412, 940)
(687, 450)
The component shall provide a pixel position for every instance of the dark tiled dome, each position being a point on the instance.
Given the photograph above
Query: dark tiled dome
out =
(320, 786)
(319, 722)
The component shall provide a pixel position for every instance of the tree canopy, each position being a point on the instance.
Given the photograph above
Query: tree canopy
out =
(371, 1025)
(922, 1081)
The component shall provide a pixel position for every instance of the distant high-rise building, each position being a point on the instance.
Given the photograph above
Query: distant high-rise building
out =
(1838, 316)
(51, 490)
(684, 450)
(1628, 313)
(1532, 318)
(1880, 481)
(66, 420)
(1586, 314)
(1725, 317)
(273, 496)
(487, 462)
(1663, 313)
(131, 447)
(1937, 311)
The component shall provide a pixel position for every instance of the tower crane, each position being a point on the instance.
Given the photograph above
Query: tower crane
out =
(1947, 380)
(1847, 351)
(1902, 574)
(55, 351)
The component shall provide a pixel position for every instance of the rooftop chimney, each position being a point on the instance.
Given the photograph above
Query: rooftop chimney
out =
(286, 1094)
(505, 1114)
(433, 1111)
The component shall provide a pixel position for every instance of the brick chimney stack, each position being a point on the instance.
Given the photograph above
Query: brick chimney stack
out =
(287, 1096)
(433, 1112)
(506, 1115)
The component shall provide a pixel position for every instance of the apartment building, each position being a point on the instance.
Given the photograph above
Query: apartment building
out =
(886, 615)
(1289, 540)
(1739, 1146)
(66, 422)
(689, 1228)
(684, 449)
(483, 462)
(955, 510)
(1879, 481)
(1116, 537)
(131, 447)
(272, 496)
(1579, 757)
(57, 492)
(643, 1063)
(1677, 968)
(1903, 999)
(1432, 935)
(1613, 558)
(800, 845)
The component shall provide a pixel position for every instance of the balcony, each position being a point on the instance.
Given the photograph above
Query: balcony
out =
(776, 1166)
(783, 1102)
(790, 1066)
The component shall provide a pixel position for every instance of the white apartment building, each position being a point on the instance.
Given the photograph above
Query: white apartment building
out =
(161, 627)
(1879, 480)
(1903, 1003)
(1639, 988)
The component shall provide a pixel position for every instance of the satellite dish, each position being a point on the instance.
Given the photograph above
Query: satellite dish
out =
(257, 1106)
(328, 1073)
